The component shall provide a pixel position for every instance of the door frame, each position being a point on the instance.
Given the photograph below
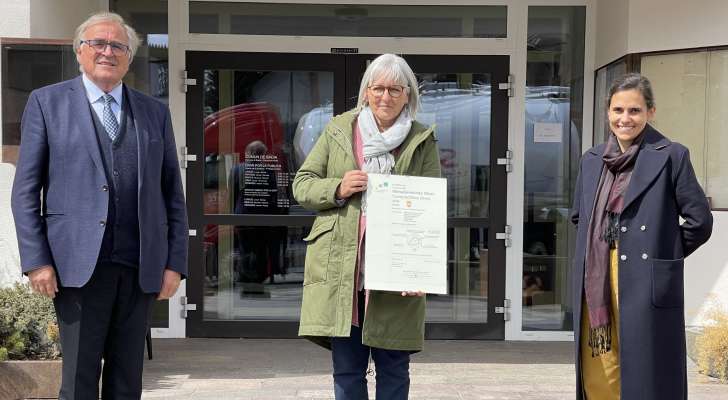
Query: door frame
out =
(196, 63)
(347, 74)
(498, 68)
(181, 41)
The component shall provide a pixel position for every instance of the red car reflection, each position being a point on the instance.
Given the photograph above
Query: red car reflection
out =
(230, 136)
(231, 129)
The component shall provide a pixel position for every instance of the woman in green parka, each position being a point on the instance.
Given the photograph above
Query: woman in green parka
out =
(379, 136)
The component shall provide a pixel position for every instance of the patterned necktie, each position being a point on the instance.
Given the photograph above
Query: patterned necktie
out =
(109, 119)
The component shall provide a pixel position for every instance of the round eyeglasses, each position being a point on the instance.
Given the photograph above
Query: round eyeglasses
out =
(394, 91)
(99, 45)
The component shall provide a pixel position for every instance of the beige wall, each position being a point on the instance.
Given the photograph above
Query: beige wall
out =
(52, 19)
(706, 274)
(45, 19)
(612, 31)
(635, 26)
(15, 18)
(677, 24)
(9, 255)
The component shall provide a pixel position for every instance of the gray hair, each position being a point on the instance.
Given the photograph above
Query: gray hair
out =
(390, 66)
(105, 16)
(633, 81)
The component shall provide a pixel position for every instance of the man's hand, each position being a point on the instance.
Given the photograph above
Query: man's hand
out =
(410, 293)
(354, 181)
(43, 281)
(170, 283)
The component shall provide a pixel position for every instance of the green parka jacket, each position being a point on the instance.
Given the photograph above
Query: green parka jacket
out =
(391, 321)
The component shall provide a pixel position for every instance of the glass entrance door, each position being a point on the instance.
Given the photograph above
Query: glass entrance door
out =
(460, 96)
(252, 119)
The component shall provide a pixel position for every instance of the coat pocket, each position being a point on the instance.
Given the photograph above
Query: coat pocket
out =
(318, 250)
(667, 283)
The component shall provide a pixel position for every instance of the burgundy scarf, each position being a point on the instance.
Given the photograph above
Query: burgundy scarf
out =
(602, 236)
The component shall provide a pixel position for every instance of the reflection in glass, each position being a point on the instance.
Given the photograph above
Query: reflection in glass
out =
(605, 77)
(253, 272)
(257, 273)
(716, 145)
(679, 83)
(149, 73)
(690, 90)
(467, 278)
(554, 91)
(258, 127)
(358, 20)
(26, 67)
(459, 105)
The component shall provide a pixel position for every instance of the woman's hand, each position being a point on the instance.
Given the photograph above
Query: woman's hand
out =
(354, 181)
(410, 293)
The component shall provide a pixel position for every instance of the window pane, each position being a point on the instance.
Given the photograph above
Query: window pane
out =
(458, 104)
(678, 82)
(605, 77)
(27, 67)
(251, 120)
(716, 137)
(690, 92)
(257, 273)
(149, 73)
(467, 279)
(554, 101)
(347, 20)
(253, 272)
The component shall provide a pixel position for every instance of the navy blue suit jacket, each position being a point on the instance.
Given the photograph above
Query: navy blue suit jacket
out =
(60, 160)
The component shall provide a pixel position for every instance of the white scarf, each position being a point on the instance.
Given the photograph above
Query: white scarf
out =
(377, 146)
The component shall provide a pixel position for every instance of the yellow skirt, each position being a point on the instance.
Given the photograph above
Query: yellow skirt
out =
(600, 374)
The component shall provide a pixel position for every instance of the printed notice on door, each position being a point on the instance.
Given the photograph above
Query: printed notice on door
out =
(406, 234)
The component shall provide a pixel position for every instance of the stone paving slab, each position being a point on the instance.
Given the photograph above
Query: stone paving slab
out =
(291, 369)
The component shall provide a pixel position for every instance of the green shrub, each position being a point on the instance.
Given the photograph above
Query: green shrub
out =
(28, 327)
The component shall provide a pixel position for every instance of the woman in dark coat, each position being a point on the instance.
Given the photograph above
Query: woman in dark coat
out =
(630, 247)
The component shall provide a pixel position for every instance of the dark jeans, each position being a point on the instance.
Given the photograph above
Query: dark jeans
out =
(351, 359)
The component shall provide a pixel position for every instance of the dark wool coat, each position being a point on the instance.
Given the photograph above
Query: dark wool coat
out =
(652, 247)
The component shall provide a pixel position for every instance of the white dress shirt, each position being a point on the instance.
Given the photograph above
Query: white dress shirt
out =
(96, 98)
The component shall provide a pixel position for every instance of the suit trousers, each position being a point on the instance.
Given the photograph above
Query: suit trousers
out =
(107, 319)
(351, 358)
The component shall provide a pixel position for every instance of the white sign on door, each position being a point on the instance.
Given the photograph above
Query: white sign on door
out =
(547, 132)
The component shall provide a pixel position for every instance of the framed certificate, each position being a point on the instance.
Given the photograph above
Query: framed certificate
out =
(406, 234)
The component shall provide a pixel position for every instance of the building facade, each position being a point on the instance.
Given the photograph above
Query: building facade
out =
(515, 88)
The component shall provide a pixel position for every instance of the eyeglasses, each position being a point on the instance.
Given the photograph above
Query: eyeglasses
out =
(99, 45)
(394, 91)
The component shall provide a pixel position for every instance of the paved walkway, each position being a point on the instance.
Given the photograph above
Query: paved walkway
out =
(256, 369)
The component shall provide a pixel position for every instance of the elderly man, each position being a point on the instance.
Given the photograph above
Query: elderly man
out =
(110, 233)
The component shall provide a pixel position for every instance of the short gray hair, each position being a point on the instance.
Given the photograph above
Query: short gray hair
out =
(390, 66)
(106, 16)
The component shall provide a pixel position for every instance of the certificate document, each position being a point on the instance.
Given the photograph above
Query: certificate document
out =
(406, 234)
